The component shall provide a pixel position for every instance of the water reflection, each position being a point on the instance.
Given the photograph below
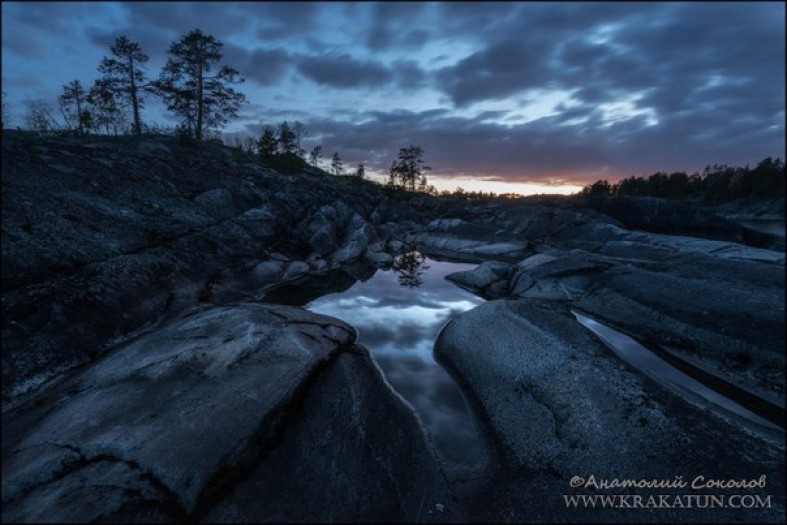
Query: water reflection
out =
(398, 314)
(410, 267)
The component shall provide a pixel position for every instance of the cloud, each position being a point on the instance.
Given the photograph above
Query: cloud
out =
(397, 25)
(265, 66)
(500, 70)
(343, 71)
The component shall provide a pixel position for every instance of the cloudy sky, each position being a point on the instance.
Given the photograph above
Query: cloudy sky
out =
(510, 97)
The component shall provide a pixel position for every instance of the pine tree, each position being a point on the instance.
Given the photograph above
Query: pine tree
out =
(267, 145)
(202, 100)
(4, 116)
(336, 164)
(105, 108)
(300, 132)
(409, 167)
(123, 75)
(287, 138)
(315, 155)
(72, 105)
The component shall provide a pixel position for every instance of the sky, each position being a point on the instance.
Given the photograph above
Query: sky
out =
(516, 96)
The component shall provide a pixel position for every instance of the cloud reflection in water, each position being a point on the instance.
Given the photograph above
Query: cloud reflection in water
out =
(399, 325)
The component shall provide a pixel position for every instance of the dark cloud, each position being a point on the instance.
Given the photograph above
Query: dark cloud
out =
(343, 71)
(500, 70)
(264, 66)
(396, 24)
(217, 18)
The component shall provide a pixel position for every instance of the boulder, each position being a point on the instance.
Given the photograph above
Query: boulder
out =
(380, 259)
(246, 411)
(296, 270)
(561, 407)
(488, 279)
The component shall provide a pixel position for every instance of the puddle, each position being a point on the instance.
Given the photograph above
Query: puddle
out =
(398, 314)
(668, 375)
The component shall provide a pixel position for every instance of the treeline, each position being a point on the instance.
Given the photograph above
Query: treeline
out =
(190, 85)
(283, 150)
(715, 185)
(478, 195)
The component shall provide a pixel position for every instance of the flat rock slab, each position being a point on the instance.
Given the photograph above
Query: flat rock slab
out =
(735, 328)
(558, 404)
(172, 410)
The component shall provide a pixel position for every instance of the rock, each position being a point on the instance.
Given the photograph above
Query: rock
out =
(175, 430)
(724, 325)
(559, 405)
(521, 282)
(469, 249)
(218, 203)
(319, 266)
(445, 225)
(380, 259)
(374, 247)
(322, 241)
(246, 412)
(268, 271)
(168, 425)
(260, 221)
(141, 228)
(534, 260)
(471, 241)
(355, 245)
(296, 270)
(395, 247)
(667, 216)
(354, 452)
(489, 279)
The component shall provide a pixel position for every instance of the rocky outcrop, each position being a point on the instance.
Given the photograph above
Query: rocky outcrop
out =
(490, 279)
(104, 236)
(139, 385)
(238, 413)
(561, 407)
(469, 241)
(647, 293)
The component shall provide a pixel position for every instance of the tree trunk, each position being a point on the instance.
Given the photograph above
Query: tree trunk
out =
(79, 110)
(134, 102)
(199, 104)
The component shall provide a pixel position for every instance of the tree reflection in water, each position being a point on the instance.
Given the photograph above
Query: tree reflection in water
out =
(410, 267)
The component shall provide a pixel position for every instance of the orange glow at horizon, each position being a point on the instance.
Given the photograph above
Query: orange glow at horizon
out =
(497, 186)
(500, 187)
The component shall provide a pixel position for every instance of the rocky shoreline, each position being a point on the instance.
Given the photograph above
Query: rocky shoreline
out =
(146, 378)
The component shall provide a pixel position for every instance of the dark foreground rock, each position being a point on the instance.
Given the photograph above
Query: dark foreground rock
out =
(559, 405)
(238, 413)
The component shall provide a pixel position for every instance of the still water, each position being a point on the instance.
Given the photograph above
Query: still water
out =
(398, 314)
